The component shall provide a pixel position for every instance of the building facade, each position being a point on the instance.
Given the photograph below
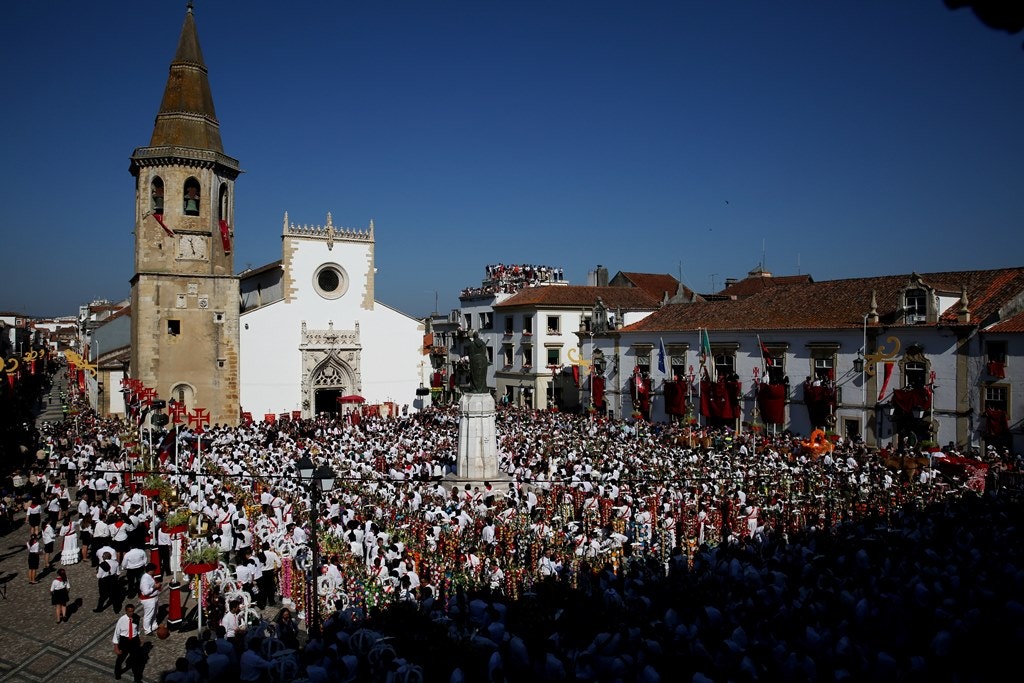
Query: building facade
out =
(905, 358)
(312, 332)
(184, 294)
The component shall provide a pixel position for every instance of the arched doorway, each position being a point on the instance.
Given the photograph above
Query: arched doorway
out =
(330, 380)
(326, 401)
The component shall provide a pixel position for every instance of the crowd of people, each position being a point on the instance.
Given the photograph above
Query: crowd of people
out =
(508, 279)
(612, 546)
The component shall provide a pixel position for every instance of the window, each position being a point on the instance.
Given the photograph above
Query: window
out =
(527, 356)
(330, 281)
(506, 352)
(174, 327)
(678, 366)
(824, 368)
(490, 356)
(554, 356)
(995, 398)
(527, 324)
(643, 361)
(554, 324)
(191, 195)
(222, 204)
(725, 364)
(916, 305)
(509, 322)
(486, 321)
(915, 374)
(775, 372)
(468, 321)
(156, 196)
(995, 351)
(587, 324)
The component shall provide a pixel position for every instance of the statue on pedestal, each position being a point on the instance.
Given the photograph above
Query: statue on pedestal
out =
(477, 352)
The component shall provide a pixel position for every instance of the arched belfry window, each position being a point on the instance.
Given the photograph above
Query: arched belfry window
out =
(156, 196)
(191, 197)
(222, 204)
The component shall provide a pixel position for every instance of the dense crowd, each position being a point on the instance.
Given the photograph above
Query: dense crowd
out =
(508, 279)
(718, 555)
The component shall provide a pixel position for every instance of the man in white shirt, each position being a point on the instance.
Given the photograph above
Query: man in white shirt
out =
(134, 563)
(126, 644)
(106, 579)
(230, 620)
(149, 596)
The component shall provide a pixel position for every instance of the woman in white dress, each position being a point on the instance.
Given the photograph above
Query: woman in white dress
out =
(68, 533)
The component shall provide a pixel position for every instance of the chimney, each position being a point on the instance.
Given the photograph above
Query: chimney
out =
(963, 315)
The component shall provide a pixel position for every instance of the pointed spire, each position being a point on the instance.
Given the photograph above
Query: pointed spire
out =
(187, 117)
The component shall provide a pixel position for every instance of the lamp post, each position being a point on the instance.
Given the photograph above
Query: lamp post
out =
(859, 365)
(319, 481)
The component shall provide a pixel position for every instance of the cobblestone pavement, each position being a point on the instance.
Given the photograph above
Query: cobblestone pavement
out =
(33, 647)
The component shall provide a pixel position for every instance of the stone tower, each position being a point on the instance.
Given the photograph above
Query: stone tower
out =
(185, 335)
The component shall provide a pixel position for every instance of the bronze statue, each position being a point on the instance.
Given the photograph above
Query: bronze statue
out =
(477, 352)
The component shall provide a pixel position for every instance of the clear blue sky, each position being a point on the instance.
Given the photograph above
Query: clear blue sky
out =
(848, 138)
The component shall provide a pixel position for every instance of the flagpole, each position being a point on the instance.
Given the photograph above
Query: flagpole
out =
(700, 354)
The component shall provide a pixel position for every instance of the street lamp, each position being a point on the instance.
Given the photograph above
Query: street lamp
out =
(319, 481)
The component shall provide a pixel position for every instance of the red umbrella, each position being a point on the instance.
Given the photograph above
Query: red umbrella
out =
(352, 398)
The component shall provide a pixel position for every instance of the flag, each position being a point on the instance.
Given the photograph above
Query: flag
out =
(160, 219)
(705, 345)
(225, 236)
(766, 355)
(887, 375)
(661, 355)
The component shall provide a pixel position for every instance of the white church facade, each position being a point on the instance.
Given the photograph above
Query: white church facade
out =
(312, 333)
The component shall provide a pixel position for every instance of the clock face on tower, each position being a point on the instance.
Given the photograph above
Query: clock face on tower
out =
(192, 248)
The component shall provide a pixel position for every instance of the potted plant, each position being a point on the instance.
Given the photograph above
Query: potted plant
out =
(200, 558)
(177, 522)
(155, 486)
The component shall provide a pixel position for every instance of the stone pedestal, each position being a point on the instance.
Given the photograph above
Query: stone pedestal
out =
(478, 442)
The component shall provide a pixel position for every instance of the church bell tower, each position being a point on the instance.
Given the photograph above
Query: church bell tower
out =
(184, 294)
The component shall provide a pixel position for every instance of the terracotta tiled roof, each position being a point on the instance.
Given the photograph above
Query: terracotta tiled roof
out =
(1014, 323)
(835, 303)
(653, 283)
(756, 283)
(575, 296)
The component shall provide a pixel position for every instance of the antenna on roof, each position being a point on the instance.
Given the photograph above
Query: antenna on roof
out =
(762, 255)
(798, 263)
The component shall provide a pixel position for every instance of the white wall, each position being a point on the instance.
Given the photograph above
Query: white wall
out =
(271, 361)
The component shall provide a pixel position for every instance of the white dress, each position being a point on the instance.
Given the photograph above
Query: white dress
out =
(71, 553)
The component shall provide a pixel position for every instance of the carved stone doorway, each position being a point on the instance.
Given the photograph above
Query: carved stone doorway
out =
(331, 362)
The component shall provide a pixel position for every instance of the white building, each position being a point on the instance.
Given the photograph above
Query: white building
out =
(930, 357)
(312, 332)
